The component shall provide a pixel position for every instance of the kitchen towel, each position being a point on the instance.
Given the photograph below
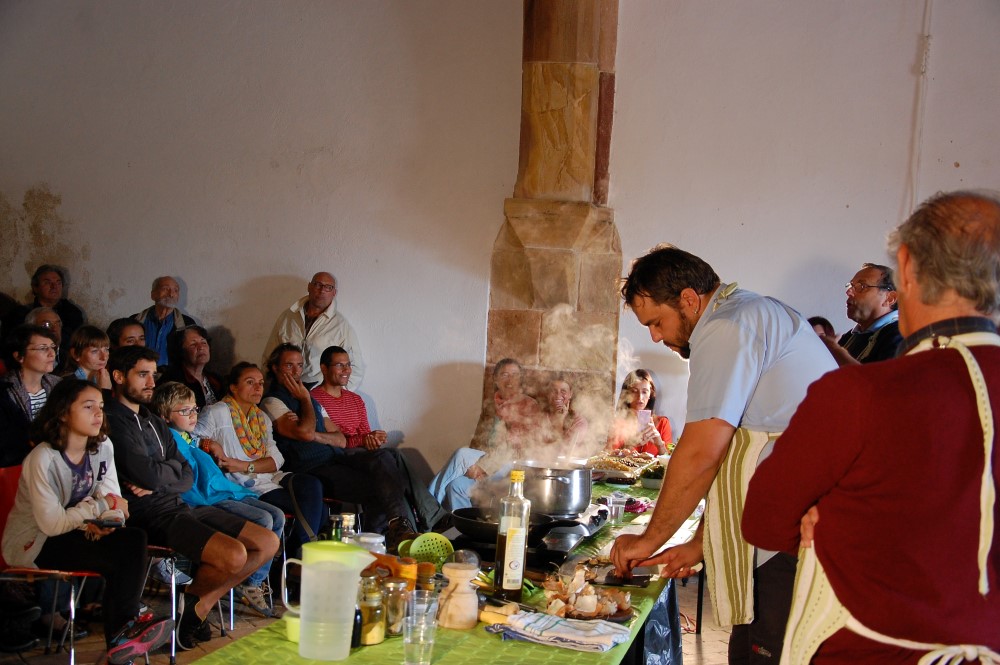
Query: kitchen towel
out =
(597, 635)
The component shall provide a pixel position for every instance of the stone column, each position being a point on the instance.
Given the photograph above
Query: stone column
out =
(556, 262)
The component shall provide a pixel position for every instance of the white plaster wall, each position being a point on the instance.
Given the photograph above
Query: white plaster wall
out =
(781, 140)
(245, 145)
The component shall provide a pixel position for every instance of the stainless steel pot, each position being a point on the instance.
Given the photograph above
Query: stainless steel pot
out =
(556, 491)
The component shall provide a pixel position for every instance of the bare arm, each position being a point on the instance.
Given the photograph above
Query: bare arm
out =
(692, 469)
(838, 352)
(332, 436)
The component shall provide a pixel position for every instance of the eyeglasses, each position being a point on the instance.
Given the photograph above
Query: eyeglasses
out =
(187, 411)
(861, 287)
(341, 365)
(326, 288)
(44, 348)
(51, 324)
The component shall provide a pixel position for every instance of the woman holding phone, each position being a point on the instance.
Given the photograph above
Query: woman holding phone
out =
(635, 426)
(68, 514)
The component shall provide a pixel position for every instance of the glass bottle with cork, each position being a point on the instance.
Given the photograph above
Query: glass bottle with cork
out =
(512, 540)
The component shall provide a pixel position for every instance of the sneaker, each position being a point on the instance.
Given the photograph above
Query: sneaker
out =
(189, 625)
(138, 637)
(256, 598)
(398, 530)
(161, 573)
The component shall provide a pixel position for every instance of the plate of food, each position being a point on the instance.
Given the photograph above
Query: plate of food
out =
(620, 466)
(572, 596)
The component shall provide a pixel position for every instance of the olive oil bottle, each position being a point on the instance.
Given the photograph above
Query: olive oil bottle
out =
(512, 540)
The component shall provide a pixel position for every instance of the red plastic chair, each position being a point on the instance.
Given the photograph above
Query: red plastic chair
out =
(9, 479)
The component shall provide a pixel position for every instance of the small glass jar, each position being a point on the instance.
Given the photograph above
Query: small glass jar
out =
(372, 618)
(347, 531)
(394, 600)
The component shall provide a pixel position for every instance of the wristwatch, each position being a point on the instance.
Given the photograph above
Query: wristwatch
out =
(250, 469)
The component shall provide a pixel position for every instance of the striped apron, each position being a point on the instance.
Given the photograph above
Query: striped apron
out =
(729, 560)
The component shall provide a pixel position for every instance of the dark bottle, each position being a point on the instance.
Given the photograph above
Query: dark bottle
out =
(512, 540)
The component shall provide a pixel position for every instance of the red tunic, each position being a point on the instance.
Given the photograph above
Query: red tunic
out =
(892, 455)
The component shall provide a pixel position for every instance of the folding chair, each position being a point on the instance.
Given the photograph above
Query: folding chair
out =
(9, 478)
(172, 556)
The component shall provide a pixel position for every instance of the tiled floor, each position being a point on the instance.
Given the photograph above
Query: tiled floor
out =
(709, 648)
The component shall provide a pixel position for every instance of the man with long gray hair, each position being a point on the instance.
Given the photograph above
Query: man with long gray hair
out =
(888, 472)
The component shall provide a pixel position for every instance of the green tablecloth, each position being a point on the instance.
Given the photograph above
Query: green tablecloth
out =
(268, 645)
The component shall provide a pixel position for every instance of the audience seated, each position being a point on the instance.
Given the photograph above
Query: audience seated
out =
(163, 317)
(47, 317)
(175, 403)
(88, 356)
(48, 285)
(562, 427)
(70, 477)
(501, 436)
(243, 445)
(153, 473)
(190, 350)
(316, 444)
(313, 323)
(30, 354)
(638, 393)
(347, 410)
(126, 332)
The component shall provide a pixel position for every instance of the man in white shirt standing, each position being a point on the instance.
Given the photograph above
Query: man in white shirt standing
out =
(313, 324)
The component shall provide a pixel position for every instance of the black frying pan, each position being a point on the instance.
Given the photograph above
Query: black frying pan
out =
(475, 524)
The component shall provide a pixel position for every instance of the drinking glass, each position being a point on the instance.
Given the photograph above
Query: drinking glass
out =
(418, 640)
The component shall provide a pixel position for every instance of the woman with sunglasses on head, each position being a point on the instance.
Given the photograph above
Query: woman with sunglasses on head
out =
(30, 354)
(69, 515)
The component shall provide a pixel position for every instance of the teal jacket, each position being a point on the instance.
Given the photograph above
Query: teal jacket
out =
(210, 484)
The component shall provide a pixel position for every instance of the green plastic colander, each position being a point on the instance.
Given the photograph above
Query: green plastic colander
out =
(431, 548)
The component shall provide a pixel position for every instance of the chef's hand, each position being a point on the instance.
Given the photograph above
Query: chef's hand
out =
(628, 552)
(807, 527)
(678, 561)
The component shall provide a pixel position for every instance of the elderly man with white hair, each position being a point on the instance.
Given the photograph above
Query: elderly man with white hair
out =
(164, 316)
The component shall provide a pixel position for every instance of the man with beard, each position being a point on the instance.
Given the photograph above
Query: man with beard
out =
(871, 303)
(313, 324)
(224, 548)
(190, 350)
(311, 442)
(751, 360)
(163, 317)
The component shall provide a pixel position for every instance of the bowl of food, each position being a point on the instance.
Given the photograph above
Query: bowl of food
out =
(652, 476)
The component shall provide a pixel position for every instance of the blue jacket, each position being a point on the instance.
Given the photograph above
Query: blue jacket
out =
(210, 484)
